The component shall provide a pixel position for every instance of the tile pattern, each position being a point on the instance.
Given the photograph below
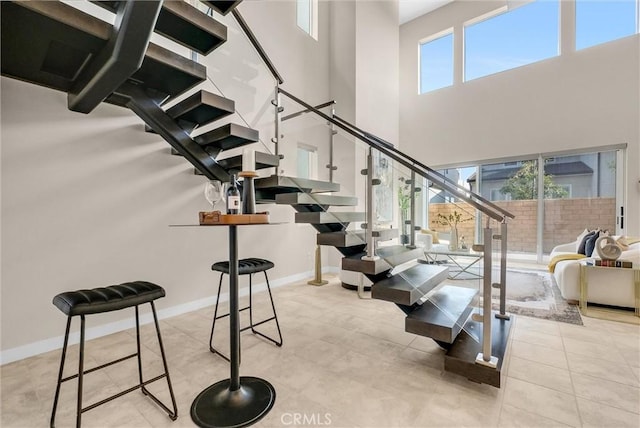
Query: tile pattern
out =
(347, 362)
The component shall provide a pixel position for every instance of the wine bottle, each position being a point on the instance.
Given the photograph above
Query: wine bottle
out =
(233, 197)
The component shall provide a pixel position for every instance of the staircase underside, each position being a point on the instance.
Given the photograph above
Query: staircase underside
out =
(49, 44)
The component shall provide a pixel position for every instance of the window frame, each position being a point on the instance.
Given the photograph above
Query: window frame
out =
(433, 37)
(313, 18)
(575, 29)
(502, 10)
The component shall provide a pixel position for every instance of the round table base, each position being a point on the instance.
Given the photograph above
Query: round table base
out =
(219, 407)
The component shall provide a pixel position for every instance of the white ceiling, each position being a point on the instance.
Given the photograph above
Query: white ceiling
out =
(410, 9)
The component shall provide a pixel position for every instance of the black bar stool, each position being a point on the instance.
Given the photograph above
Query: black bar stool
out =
(246, 267)
(101, 300)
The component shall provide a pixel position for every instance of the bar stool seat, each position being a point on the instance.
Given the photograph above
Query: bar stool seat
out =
(247, 266)
(102, 300)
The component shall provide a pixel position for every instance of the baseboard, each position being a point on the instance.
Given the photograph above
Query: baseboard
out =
(46, 345)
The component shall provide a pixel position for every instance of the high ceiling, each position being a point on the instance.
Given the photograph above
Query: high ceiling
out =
(410, 9)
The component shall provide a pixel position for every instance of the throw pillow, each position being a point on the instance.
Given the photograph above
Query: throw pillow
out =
(583, 243)
(623, 243)
(591, 244)
(433, 233)
(580, 238)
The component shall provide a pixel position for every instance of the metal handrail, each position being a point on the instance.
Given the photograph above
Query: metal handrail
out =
(256, 44)
(477, 201)
(364, 133)
(301, 112)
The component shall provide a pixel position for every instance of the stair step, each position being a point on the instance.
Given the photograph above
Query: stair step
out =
(166, 74)
(276, 184)
(263, 161)
(443, 315)
(322, 217)
(201, 108)
(461, 356)
(341, 239)
(355, 263)
(222, 6)
(316, 199)
(390, 257)
(379, 234)
(410, 285)
(184, 24)
(398, 254)
(227, 137)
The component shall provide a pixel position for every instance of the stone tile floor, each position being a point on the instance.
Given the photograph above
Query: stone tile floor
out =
(347, 362)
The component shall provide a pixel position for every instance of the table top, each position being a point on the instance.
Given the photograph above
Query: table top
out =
(467, 253)
(229, 224)
(590, 263)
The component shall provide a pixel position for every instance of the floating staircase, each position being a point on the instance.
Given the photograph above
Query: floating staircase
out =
(55, 45)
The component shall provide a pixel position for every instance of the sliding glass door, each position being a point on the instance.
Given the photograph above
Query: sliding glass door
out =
(554, 198)
(580, 192)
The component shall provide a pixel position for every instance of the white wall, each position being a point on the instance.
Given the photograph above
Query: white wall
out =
(578, 100)
(364, 83)
(87, 200)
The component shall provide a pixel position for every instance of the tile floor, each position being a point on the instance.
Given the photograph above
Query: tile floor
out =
(347, 362)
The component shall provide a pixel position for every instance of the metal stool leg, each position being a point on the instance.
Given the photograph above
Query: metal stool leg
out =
(52, 423)
(273, 318)
(213, 325)
(80, 372)
(139, 354)
(173, 415)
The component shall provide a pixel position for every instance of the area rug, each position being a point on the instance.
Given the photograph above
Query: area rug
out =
(530, 293)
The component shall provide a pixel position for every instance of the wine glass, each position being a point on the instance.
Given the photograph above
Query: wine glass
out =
(213, 192)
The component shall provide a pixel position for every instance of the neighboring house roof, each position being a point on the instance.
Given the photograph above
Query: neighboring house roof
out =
(557, 169)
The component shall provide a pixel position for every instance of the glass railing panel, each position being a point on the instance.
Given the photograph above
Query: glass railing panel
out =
(236, 71)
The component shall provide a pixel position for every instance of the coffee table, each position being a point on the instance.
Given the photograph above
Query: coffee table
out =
(464, 260)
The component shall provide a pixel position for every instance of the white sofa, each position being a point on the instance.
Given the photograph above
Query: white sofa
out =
(607, 286)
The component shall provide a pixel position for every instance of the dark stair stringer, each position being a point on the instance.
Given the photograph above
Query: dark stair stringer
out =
(151, 113)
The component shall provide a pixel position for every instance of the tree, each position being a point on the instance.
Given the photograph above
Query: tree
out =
(524, 184)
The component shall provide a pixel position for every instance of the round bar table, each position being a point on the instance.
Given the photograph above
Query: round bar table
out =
(240, 400)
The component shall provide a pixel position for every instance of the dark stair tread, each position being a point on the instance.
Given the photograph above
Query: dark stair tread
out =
(263, 160)
(316, 199)
(201, 108)
(276, 184)
(442, 316)
(228, 136)
(184, 24)
(410, 285)
(323, 217)
(351, 238)
(167, 73)
(390, 256)
(398, 254)
(370, 267)
(461, 356)
(222, 6)
(341, 239)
